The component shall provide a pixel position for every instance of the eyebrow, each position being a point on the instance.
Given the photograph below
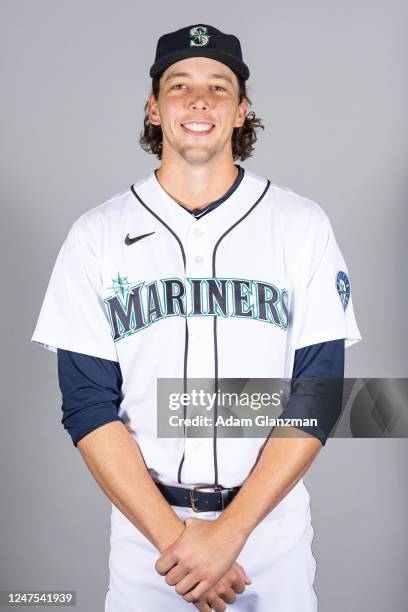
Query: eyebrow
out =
(214, 75)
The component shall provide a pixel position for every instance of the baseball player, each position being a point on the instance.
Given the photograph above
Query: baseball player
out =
(201, 269)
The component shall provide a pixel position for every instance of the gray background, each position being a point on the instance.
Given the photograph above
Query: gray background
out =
(328, 80)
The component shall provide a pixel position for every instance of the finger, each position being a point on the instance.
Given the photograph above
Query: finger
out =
(238, 585)
(216, 603)
(247, 580)
(240, 580)
(202, 606)
(174, 575)
(198, 591)
(187, 585)
(165, 563)
(226, 594)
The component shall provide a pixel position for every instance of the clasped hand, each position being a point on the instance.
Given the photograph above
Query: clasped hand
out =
(203, 556)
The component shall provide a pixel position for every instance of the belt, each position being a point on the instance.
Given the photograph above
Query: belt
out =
(198, 499)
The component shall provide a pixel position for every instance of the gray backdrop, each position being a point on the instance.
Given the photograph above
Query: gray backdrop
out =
(328, 80)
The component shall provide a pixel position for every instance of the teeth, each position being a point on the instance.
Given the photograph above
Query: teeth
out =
(198, 127)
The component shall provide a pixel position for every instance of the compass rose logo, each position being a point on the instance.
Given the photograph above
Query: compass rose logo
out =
(121, 286)
(343, 288)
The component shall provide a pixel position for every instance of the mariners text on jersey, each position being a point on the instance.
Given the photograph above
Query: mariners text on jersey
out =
(133, 308)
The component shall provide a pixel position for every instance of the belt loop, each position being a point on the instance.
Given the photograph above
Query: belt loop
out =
(225, 495)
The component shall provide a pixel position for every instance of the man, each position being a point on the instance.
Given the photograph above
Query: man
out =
(200, 270)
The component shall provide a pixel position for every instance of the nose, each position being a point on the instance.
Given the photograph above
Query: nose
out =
(199, 100)
(199, 105)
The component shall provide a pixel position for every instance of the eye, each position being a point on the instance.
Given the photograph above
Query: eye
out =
(178, 85)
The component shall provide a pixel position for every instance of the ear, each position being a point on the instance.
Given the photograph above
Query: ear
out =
(153, 110)
(241, 113)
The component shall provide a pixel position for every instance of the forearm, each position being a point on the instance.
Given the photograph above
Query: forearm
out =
(115, 461)
(283, 462)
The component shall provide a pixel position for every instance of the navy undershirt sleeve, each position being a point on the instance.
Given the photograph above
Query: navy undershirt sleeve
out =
(91, 392)
(317, 387)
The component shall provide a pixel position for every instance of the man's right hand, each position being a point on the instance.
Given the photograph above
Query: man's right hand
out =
(225, 591)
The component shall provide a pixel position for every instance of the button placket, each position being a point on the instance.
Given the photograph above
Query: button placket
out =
(198, 452)
(197, 252)
(201, 348)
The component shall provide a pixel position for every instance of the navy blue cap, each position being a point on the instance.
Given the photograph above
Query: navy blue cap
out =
(199, 41)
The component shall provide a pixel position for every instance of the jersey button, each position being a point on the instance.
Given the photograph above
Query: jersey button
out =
(199, 259)
(198, 233)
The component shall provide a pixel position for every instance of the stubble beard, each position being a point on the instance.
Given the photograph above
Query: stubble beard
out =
(197, 157)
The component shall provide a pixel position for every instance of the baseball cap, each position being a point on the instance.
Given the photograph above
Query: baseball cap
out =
(200, 40)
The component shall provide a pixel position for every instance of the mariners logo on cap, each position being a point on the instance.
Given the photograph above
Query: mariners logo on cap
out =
(343, 288)
(199, 36)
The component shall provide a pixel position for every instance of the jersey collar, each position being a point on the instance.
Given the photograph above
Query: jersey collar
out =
(180, 220)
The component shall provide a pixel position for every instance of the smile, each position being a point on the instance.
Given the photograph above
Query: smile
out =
(198, 128)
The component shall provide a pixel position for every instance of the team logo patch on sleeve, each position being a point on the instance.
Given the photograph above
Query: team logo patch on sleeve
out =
(343, 288)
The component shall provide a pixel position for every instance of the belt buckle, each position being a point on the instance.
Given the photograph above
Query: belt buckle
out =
(217, 488)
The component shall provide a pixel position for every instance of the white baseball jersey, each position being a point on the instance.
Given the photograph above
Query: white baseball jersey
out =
(233, 294)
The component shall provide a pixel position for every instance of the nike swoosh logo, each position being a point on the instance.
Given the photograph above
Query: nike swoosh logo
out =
(132, 240)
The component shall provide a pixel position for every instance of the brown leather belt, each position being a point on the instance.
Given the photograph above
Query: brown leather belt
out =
(197, 498)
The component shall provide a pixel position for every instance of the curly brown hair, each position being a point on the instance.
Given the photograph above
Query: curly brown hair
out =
(242, 138)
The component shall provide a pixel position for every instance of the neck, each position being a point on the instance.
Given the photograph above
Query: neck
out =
(196, 186)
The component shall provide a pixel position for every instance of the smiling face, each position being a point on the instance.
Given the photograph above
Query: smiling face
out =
(197, 109)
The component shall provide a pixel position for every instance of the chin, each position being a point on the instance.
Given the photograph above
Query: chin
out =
(197, 157)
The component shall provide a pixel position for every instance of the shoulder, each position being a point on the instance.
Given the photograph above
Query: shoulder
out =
(292, 207)
(97, 222)
(299, 224)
